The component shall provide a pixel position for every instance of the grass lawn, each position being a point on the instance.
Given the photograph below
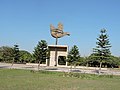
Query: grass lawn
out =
(12, 79)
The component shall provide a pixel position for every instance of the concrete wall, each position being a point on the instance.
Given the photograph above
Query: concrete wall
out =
(62, 50)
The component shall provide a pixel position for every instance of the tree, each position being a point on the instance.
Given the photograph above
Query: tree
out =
(113, 62)
(102, 50)
(73, 56)
(25, 56)
(84, 61)
(16, 54)
(41, 52)
(6, 54)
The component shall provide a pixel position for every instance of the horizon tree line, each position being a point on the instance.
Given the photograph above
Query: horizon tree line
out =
(100, 57)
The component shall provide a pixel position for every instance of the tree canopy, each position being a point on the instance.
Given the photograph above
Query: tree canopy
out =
(25, 56)
(102, 52)
(41, 51)
(73, 55)
(6, 54)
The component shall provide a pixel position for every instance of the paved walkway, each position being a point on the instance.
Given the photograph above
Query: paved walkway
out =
(91, 70)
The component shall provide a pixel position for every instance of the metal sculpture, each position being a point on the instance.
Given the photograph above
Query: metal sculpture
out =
(57, 33)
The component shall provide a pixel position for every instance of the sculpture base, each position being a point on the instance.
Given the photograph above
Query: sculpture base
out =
(58, 53)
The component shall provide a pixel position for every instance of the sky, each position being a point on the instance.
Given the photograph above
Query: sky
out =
(25, 22)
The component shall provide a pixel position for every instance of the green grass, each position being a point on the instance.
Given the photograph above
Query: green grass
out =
(12, 79)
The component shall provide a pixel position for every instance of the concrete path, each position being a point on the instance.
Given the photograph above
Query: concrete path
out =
(80, 69)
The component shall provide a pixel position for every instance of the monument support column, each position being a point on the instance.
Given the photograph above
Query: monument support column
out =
(56, 52)
(56, 41)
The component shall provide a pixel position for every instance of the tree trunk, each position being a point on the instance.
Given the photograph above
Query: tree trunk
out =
(71, 68)
(74, 65)
(87, 65)
(100, 67)
(12, 63)
(39, 65)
